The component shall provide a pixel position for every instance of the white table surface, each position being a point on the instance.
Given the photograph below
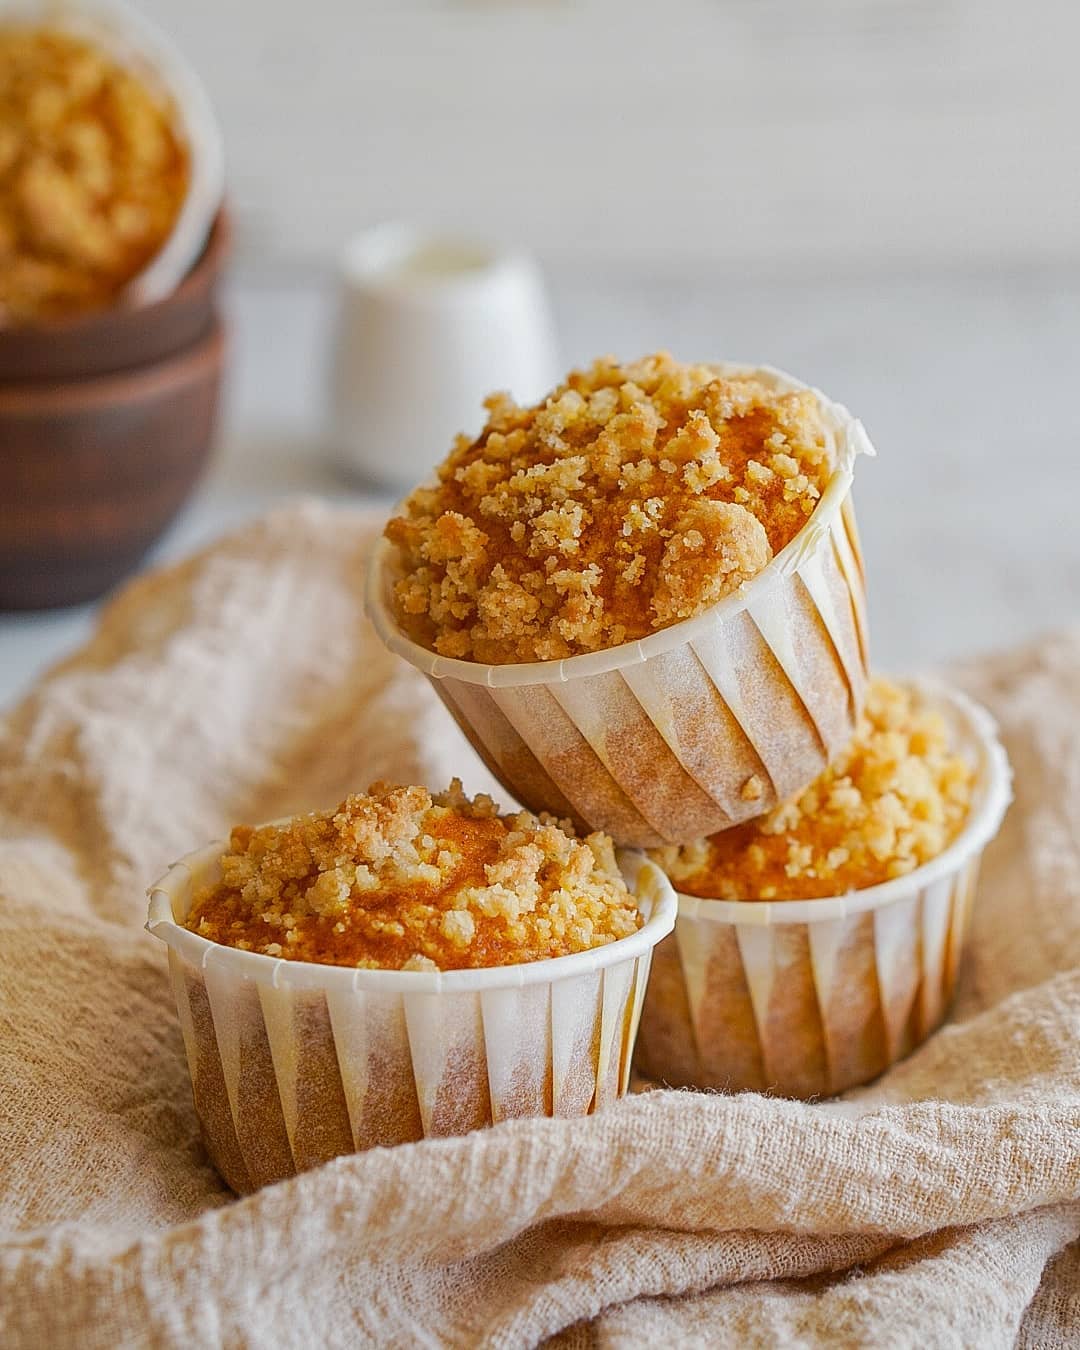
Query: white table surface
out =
(968, 385)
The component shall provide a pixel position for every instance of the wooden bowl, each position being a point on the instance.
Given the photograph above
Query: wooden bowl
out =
(121, 337)
(92, 471)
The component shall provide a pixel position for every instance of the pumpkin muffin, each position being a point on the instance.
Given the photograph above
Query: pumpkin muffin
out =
(893, 800)
(642, 600)
(633, 497)
(405, 966)
(400, 879)
(820, 943)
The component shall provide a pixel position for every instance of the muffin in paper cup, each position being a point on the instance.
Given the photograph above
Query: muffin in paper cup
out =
(811, 997)
(293, 1063)
(699, 725)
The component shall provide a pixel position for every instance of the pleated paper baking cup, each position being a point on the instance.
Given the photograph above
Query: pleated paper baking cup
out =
(700, 725)
(811, 997)
(293, 1063)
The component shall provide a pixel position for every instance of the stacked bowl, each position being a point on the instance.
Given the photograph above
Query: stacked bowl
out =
(109, 388)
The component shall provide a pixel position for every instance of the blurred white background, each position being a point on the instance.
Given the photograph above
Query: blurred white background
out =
(882, 196)
(778, 133)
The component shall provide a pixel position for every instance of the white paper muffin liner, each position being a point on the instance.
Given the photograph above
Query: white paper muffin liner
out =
(811, 997)
(655, 741)
(142, 47)
(293, 1063)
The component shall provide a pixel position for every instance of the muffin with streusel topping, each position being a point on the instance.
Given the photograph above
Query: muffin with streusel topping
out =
(642, 598)
(895, 798)
(819, 943)
(407, 964)
(399, 879)
(633, 497)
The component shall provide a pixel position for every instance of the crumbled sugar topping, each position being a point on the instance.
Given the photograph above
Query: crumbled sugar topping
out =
(400, 879)
(632, 497)
(895, 799)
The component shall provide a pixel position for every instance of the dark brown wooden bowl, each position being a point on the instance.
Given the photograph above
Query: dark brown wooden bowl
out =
(120, 338)
(92, 471)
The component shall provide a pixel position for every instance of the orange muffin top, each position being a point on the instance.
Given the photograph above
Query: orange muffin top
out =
(895, 799)
(92, 174)
(402, 880)
(632, 497)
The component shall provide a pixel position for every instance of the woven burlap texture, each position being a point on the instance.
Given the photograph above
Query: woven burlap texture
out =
(939, 1207)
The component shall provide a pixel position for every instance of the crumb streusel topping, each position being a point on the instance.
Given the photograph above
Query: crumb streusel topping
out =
(632, 497)
(400, 879)
(894, 800)
(92, 175)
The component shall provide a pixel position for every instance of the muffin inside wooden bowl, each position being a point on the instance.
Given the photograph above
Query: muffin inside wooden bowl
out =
(93, 174)
(112, 236)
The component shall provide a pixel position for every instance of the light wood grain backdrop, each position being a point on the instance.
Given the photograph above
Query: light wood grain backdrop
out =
(783, 133)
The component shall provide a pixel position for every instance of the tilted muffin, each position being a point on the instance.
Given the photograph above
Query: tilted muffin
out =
(642, 599)
(819, 943)
(407, 964)
(633, 497)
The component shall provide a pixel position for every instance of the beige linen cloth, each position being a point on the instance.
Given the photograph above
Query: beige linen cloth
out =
(940, 1207)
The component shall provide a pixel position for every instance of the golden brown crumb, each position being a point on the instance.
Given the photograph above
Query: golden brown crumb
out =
(403, 880)
(92, 175)
(633, 497)
(896, 798)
